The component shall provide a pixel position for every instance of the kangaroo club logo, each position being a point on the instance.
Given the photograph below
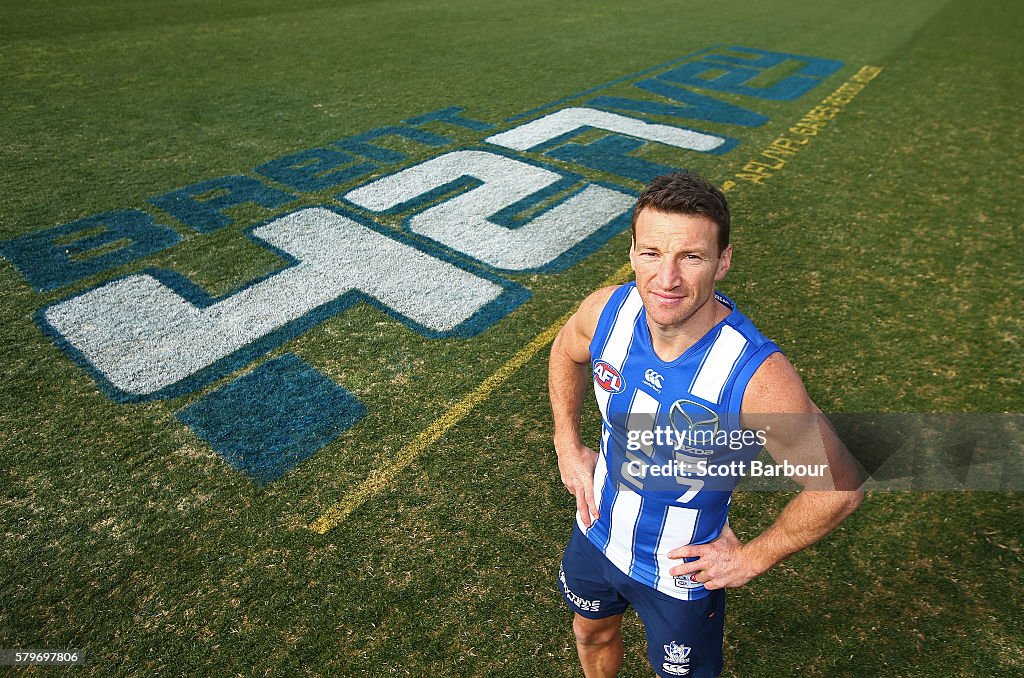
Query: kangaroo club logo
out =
(608, 378)
(677, 659)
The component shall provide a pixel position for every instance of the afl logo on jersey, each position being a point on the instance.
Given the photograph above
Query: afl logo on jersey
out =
(607, 377)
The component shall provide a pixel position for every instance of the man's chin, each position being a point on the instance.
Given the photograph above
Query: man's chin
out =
(662, 319)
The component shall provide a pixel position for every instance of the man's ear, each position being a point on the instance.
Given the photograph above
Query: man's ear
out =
(632, 253)
(724, 262)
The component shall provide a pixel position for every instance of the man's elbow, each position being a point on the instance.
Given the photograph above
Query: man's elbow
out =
(852, 499)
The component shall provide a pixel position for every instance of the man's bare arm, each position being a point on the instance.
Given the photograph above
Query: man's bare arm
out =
(797, 433)
(568, 380)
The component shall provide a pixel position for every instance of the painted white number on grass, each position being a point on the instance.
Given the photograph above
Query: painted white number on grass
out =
(543, 130)
(462, 222)
(143, 336)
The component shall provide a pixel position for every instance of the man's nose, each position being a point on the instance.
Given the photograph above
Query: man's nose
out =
(668, 274)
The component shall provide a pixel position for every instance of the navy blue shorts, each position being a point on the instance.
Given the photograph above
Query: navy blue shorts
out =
(684, 637)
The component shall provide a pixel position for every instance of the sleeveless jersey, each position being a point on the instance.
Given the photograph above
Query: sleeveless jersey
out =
(690, 410)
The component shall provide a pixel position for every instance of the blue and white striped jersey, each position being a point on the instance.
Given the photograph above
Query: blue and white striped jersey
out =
(690, 410)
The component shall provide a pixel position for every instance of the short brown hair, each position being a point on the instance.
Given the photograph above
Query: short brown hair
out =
(686, 193)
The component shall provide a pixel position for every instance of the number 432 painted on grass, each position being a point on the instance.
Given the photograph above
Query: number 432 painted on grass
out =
(155, 334)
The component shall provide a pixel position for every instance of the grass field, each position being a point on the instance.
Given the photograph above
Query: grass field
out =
(884, 256)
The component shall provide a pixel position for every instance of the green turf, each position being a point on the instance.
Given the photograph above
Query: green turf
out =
(884, 259)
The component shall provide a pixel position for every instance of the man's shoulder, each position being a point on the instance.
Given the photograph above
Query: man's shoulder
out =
(576, 336)
(776, 387)
(589, 313)
(598, 299)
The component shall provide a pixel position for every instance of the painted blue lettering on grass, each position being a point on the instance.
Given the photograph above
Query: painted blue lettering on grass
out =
(694, 106)
(201, 206)
(360, 143)
(272, 419)
(55, 258)
(315, 169)
(451, 116)
(729, 73)
(815, 67)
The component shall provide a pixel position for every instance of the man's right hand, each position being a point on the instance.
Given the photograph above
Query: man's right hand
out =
(576, 465)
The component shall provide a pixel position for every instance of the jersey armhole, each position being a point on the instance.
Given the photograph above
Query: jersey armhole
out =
(746, 373)
(607, 320)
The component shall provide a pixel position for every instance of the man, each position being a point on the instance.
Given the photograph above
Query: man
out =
(675, 366)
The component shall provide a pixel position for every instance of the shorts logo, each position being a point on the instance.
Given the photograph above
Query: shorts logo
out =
(677, 659)
(608, 378)
(653, 379)
(582, 603)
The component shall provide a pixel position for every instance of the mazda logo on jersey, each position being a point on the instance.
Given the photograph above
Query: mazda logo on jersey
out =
(696, 425)
(608, 378)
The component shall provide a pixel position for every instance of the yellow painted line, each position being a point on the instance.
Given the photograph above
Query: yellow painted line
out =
(382, 477)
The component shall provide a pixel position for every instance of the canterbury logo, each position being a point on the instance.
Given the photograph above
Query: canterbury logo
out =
(653, 379)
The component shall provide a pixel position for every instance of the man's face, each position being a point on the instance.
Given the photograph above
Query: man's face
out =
(676, 260)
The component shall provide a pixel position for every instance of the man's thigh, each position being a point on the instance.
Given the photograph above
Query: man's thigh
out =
(583, 579)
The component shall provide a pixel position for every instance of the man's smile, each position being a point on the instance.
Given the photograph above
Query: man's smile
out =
(667, 297)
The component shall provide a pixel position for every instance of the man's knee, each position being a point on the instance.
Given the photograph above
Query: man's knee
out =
(596, 631)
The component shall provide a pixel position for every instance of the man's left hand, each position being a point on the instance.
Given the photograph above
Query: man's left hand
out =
(722, 563)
